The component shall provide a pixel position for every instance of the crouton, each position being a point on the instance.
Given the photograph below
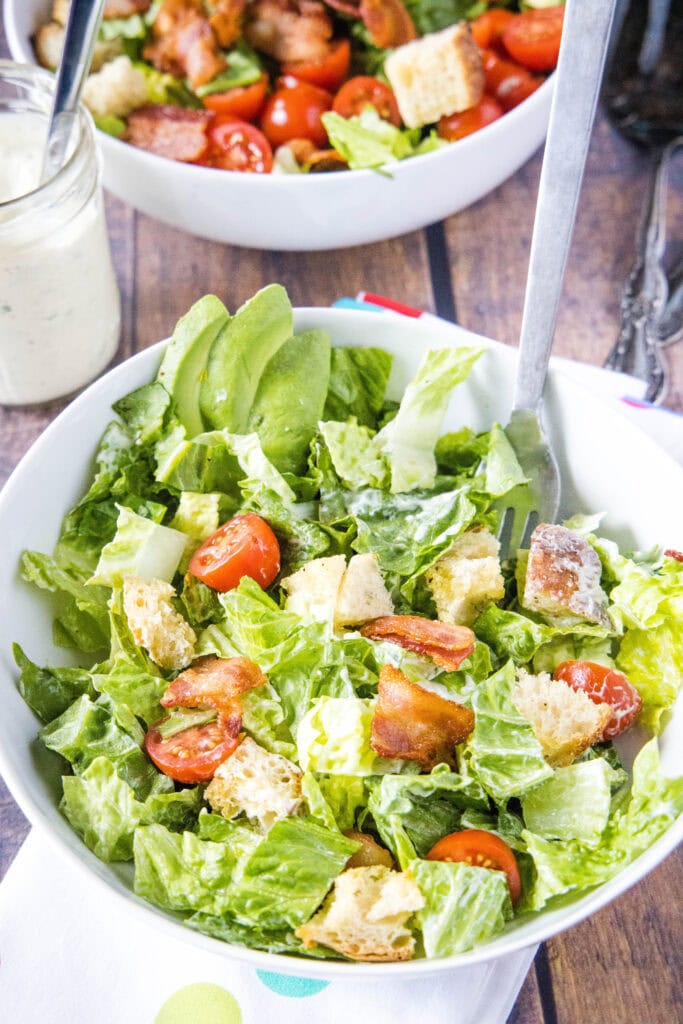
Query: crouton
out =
(365, 916)
(466, 577)
(49, 40)
(565, 722)
(116, 90)
(439, 74)
(563, 576)
(155, 624)
(362, 595)
(60, 11)
(265, 786)
(313, 590)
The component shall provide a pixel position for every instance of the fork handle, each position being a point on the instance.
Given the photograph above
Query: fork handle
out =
(577, 85)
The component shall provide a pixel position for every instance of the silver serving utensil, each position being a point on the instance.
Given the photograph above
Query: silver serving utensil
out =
(577, 86)
(79, 43)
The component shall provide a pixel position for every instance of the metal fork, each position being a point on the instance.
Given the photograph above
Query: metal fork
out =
(577, 85)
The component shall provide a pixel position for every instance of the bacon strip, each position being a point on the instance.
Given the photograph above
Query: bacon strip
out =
(226, 21)
(387, 21)
(289, 30)
(448, 646)
(414, 724)
(169, 131)
(125, 8)
(213, 683)
(183, 42)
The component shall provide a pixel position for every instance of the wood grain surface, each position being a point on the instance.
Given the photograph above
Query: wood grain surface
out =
(623, 965)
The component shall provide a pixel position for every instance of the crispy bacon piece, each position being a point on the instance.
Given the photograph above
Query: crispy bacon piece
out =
(289, 30)
(448, 646)
(387, 21)
(183, 42)
(169, 131)
(226, 21)
(418, 725)
(125, 8)
(213, 683)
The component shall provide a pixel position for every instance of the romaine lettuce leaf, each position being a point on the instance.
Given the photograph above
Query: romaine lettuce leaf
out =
(655, 802)
(81, 620)
(366, 140)
(288, 875)
(502, 751)
(503, 471)
(516, 636)
(140, 547)
(182, 872)
(464, 905)
(333, 737)
(334, 800)
(574, 803)
(354, 456)
(408, 441)
(50, 691)
(427, 807)
(358, 383)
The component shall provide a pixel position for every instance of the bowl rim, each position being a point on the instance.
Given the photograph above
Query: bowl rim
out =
(527, 110)
(81, 856)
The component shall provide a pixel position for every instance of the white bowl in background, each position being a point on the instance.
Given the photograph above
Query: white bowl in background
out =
(313, 211)
(597, 451)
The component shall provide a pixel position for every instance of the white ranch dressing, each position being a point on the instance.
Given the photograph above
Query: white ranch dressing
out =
(59, 302)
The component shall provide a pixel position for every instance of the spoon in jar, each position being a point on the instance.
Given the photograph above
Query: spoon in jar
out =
(79, 43)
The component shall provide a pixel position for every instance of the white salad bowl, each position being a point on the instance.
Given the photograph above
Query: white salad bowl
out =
(312, 211)
(597, 450)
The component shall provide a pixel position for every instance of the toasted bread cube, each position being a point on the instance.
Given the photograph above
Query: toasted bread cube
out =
(563, 576)
(362, 595)
(365, 916)
(312, 591)
(264, 786)
(60, 11)
(116, 90)
(155, 624)
(565, 722)
(466, 577)
(49, 40)
(439, 74)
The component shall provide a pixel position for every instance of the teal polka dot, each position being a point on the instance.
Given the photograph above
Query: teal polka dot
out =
(287, 985)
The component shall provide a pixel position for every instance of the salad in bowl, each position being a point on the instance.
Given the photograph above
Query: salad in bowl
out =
(314, 713)
(301, 86)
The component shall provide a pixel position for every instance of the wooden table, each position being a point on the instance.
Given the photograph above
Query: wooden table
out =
(623, 966)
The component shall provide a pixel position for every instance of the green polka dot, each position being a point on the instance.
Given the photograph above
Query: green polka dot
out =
(288, 985)
(200, 1004)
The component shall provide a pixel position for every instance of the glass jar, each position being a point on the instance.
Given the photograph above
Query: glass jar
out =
(60, 310)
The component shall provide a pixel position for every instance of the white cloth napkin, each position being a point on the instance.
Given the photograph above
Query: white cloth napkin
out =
(70, 953)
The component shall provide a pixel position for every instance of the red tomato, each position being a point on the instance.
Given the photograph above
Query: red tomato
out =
(362, 90)
(672, 553)
(294, 112)
(533, 38)
(488, 28)
(194, 754)
(328, 73)
(482, 850)
(245, 102)
(457, 126)
(237, 146)
(508, 82)
(604, 686)
(244, 546)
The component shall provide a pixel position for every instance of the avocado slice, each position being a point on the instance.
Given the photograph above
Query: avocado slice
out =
(184, 362)
(290, 399)
(239, 356)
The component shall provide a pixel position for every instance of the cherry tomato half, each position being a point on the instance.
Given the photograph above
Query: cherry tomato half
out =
(457, 126)
(294, 112)
(481, 850)
(488, 28)
(328, 73)
(192, 755)
(604, 686)
(244, 102)
(508, 82)
(237, 146)
(362, 90)
(244, 546)
(533, 38)
(672, 553)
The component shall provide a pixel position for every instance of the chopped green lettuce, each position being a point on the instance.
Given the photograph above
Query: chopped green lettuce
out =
(82, 620)
(181, 872)
(574, 803)
(358, 384)
(141, 548)
(464, 906)
(354, 456)
(50, 691)
(334, 738)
